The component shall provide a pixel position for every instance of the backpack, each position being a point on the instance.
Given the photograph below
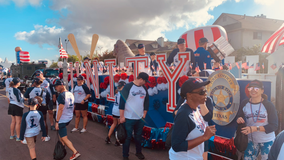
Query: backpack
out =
(120, 133)
(168, 143)
(59, 150)
(241, 140)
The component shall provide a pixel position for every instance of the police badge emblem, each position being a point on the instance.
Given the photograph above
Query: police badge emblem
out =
(224, 90)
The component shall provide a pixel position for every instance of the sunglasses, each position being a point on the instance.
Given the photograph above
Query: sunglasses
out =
(255, 89)
(37, 74)
(201, 92)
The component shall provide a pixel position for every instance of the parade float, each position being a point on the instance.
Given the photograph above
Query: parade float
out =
(226, 91)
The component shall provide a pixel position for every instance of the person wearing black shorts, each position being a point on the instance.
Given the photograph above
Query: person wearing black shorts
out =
(115, 113)
(81, 93)
(16, 107)
(32, 92)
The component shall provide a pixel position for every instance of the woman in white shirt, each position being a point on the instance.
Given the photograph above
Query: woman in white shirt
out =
(81, 94)
(115, 113)
(16, 107)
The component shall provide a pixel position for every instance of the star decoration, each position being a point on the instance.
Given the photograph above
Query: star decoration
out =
(221, 98)
(269, 147)
(250, 152)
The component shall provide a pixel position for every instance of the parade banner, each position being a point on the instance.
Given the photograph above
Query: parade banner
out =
(172, 77)
(110, 63)
(225, 93)
(136, 61)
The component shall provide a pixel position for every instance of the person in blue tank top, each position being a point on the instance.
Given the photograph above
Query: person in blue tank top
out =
(260, 117)
(16, 107)
(32, 124)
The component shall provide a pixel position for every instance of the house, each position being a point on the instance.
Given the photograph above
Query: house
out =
(247, 31)
(159, 46)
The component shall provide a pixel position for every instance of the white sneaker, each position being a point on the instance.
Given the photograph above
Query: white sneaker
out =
(47, 139)
(24, 141)
(74, 130)
(83, 130)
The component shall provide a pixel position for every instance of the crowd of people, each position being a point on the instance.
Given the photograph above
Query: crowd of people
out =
(193, 115)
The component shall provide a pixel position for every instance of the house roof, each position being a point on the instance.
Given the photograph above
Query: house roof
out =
(168, 45)
(252, 22)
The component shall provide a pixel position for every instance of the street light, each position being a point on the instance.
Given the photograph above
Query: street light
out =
(66, 41)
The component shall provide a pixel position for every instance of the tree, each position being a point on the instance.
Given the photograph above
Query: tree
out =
(254, 50)
(106, 55)
(53, 65)
(71, 58)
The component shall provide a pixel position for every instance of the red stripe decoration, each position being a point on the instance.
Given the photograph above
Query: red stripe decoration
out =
(24, 56)
(197, 35)
(185, 37)
(274, 41)
(110, 63)
(216, 33)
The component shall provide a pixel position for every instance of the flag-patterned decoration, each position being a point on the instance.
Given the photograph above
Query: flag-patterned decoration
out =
(23, 56)
(273, 66)
(277, 39)
(244, 65)
(237, 64)
(262, 65)
(63, 53)
(252, 66)
(257, 67)
(197, 68)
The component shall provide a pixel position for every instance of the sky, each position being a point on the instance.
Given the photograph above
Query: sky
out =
(36, 25)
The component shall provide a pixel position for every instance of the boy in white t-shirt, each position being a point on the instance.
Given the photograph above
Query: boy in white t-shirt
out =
(32, 123)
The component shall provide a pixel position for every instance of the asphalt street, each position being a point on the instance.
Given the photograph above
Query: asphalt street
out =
(91, 144)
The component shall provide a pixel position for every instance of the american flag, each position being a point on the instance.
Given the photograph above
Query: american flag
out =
(257, 67)
(197, 68)
(230, 66)
(262, 65)
(252, 66)
(277, 39)
(244, 65)
(62, 51)
(273, 66)
(23, 56)
(237, 64)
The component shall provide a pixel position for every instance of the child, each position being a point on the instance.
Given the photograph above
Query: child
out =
(32, 123)
(115, 113)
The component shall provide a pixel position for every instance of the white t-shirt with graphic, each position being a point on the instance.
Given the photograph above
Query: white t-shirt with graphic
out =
(67, 99)
(115, 108)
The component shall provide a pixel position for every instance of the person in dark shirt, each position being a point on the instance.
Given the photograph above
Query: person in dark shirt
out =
(173, 57)
(202, 56)
(153, 64)
(190, 129)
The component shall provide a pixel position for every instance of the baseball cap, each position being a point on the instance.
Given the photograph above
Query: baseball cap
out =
(36, 80)
(181, 41)
(191, 84)
(80, 77)
(141, 45)
(203, 40)
(33, 101)
(121, 84)
(58, 82)
(256, 83)
(152, 54)
(37, 73)
(87, 58)
(144, 76)
(16, 80)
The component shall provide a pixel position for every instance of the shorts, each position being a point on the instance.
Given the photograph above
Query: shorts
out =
(79, 106)
(43, 109)
(50, 105)
(114, 116)
(62, 129)
(31, 142)
(15, 110)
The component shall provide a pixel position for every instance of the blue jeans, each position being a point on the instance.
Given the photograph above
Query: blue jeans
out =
(137, 126)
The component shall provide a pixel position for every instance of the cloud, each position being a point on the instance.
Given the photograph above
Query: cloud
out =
(127, 19)
(1, 60)
(21, 3)
(271, 8)
(237, 1)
